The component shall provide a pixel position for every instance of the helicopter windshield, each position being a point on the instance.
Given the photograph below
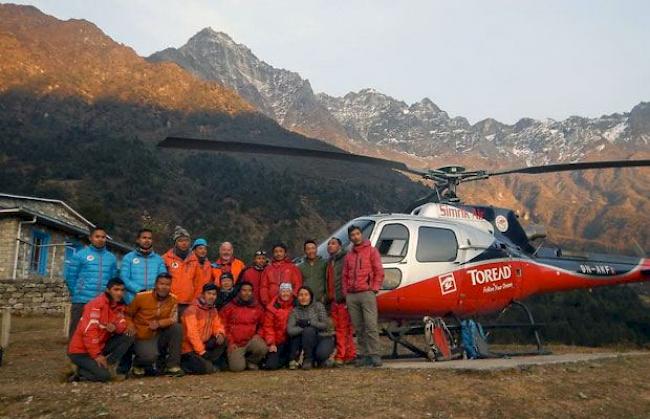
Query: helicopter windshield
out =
(366, 227)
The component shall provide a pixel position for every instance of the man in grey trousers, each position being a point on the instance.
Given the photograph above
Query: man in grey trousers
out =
(363, 275)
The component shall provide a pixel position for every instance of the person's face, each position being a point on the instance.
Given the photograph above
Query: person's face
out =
(145, 240)
(201, 251)
(310, 251)
(333, 247)
(225, 252)
(279, 254)
(163, 287)
(303, 297)
(210, 297)
(98, 239)
(116, 292)
(356, 237)
(183, 244)
(260, 260)
(246, 293)
(226, 284)
(285, 295)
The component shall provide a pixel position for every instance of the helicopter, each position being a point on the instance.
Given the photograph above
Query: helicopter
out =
(444, 258)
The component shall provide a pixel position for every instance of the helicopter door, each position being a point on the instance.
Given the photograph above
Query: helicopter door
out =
(393, 245)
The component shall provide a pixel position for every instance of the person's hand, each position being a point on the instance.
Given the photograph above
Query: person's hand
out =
(153, 325)
(110, 327)
(273, 348)
(220, 339)
(102, 361)
(130, 330)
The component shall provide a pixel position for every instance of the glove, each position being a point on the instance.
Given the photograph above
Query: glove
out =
(303, 323)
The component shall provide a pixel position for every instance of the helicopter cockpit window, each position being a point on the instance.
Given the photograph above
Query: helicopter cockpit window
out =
(436, 245)
(393, 243)
(366, 227)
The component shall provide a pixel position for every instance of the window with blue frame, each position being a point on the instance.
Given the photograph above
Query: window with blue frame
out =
(40, 240)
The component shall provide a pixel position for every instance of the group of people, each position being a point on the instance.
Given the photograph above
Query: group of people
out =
(180, 314)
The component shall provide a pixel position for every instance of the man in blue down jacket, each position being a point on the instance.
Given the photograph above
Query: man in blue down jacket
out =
(88, 272)
(140, 267)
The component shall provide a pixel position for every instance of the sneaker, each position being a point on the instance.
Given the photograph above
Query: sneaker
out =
(174, 372)
(138, 372)
(293, 364)
(339, 363)
(375, 362)
(306, 364)
(252, 367)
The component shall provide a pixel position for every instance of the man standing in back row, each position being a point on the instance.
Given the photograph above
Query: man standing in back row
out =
(313, 269)
(184, 269)
(363, 275)
(227, 262)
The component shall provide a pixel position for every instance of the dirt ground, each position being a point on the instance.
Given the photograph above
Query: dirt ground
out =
(31, 386)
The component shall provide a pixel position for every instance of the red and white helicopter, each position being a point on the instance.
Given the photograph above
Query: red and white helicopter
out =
(444, 258)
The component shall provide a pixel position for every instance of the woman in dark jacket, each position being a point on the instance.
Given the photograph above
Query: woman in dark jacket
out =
(310, 331)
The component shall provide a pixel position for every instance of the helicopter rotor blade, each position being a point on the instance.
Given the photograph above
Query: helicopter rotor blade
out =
(256, 148)
(567, 167)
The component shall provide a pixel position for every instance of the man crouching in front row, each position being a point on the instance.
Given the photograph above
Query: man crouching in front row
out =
(152, 317)
(205, 337)
(99, 341)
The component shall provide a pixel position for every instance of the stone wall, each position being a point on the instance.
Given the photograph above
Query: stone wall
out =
(8, 230)
(34, 295)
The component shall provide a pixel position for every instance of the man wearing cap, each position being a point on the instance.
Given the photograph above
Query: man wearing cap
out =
(205, 336)
(280, 270)
(184, 269)
(153, 319)
(200, 252)
(141, 266)
(313, 269)
(253, 273)
(227, 291)
(227, 262)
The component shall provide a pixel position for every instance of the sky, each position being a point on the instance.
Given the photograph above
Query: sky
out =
(504, 59)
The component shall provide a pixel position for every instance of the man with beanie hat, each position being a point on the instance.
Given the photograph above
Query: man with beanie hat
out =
(200, 252)
(227, 291)
(253, 273)
(184, 269)
(205, 336)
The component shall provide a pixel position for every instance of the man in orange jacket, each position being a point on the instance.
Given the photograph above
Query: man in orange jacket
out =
(99, 341)
(153, 319)
(279, 271)
(200, 251)
(227, 262)
(184, 269)
(205, 340)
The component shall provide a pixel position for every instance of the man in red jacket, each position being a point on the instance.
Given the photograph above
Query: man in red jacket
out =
(363, 275)
(243, 319)
(280, 270)
(99, 341)
(253, 273)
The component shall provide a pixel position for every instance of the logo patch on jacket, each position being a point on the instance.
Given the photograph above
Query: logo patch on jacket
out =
(136, 261)
(90, 258)
(174, 264)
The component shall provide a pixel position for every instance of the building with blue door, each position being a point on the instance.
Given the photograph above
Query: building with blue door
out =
(36, 237)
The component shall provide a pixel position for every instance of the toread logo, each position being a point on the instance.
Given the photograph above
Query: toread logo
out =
(447, 283)
(502, 223)
(90, 258)
(136, 261)
(174, 264)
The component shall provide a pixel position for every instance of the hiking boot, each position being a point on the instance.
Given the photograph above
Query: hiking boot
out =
(138, 372)
(361, 361)
(115, 376)
(293, 364)
(375, 362)
(174, 372)
(306, 364)
(339, 363)
(252, 367)
(328, 363)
